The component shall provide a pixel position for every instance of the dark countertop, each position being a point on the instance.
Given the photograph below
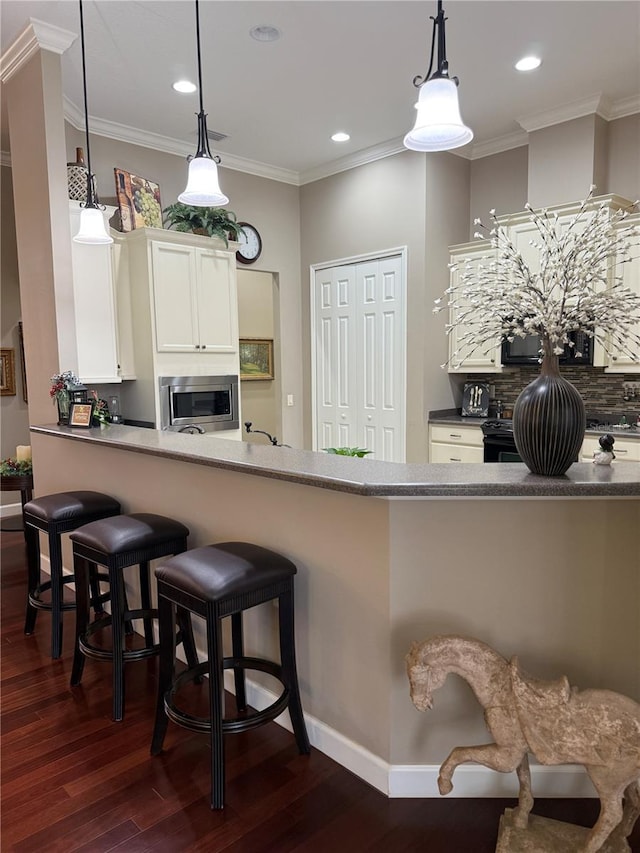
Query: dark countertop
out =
(453, 417)
(361, 476)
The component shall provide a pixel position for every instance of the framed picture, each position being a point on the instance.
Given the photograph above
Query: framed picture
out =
(138, 201)
(475, 399)
(256, 358)
(8, 372)
(80, 414)
(23, 364)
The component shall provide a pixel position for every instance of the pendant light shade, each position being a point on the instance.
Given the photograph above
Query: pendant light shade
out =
(203, 187)
(439, 126)
(92, 227)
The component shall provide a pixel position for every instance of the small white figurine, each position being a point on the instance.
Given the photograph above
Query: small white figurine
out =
(606, 455)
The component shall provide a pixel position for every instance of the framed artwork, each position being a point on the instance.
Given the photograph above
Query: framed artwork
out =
(138, 201)
(80, 414)
(8, 372)
(256, 358)
(475, 399)
(23, 364)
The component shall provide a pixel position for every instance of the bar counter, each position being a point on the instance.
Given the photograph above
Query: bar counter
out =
(543, 568)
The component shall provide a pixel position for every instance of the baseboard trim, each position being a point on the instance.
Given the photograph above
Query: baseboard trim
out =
(7, 510)
(421, 781)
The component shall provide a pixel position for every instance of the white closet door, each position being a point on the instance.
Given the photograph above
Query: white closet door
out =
(335, 357)
(380, 362)
(359, 339)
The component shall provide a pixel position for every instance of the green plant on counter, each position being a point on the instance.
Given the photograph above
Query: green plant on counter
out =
(347, 451)
(13, 468)
(211, 221)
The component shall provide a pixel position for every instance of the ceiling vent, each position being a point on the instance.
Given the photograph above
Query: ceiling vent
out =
(215, 135)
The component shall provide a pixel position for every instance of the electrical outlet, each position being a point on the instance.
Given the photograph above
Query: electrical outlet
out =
(289, 399)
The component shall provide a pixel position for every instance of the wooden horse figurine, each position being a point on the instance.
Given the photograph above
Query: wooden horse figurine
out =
(558, 724)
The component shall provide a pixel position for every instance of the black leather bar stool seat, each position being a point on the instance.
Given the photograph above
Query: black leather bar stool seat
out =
(54, 515)
(214, 582)
(117, 543)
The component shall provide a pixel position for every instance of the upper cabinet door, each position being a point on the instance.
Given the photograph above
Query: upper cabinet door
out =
(468, 356)
(621, 362)
(175, 295)
(94, 308)
(217, 302)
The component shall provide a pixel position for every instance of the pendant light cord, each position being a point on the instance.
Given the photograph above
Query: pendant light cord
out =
(203, 137)
(91, 201)
(199, 58)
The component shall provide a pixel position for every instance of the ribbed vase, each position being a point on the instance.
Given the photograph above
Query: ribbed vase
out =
(549, 421)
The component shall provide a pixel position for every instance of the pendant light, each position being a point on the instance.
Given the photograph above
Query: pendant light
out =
(438, 126)
(92, 228)
(203, 188)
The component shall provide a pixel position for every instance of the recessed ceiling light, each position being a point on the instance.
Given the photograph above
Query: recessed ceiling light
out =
(528, 63)
(185, 87)
(341, 137)
(265, 33)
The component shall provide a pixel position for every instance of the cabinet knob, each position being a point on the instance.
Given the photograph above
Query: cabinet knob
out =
(369, 417)
(204, 346)
(614, 357)
(197, 346)
(493, 361)
(343, 416)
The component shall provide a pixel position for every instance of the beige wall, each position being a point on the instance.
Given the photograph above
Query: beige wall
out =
(260, 398)
(499, 183)
(15, 416)
(623, 166)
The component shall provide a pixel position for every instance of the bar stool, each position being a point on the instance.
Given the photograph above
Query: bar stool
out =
(54, 515)
(117, 543)
(214, 582)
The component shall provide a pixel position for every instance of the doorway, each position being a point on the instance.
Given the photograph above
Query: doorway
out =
(358, 323)
(258, 318)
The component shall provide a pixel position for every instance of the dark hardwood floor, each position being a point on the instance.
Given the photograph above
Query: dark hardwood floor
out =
(72, 780)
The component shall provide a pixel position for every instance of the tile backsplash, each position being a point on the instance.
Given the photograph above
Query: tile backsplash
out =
(601, 392)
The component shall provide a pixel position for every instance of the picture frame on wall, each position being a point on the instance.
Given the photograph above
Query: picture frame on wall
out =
(23, 364)
(256, 358)
(7, 372)
(80, 415)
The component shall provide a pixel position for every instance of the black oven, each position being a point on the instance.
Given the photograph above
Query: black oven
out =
(499, 444)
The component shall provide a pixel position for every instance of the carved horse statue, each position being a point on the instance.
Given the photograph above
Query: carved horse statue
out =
(558, 724)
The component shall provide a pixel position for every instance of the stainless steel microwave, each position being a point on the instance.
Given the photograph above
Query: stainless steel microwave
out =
(527, 350)
(199, 403)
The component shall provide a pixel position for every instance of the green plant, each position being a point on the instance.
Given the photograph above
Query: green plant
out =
(13, 468)
(214, 221)
(348, 451)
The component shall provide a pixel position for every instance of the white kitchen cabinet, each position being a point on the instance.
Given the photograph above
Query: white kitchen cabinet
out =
(467, 358)
(94, 307)
(195, 305)
(455, 443)
(625, 449)
(616, 361)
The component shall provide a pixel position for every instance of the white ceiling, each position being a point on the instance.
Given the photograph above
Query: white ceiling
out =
(339, 65)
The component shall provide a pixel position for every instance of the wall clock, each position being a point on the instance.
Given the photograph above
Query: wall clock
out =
(250, 243)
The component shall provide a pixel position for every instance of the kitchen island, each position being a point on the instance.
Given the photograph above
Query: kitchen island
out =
(546, 568)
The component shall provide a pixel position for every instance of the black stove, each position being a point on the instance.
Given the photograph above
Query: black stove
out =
(499, 444)
(497, 427)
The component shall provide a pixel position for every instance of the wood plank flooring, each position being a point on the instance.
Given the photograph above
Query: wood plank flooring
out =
(72, 780)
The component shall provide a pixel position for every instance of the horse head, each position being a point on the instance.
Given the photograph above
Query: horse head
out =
(424, 678)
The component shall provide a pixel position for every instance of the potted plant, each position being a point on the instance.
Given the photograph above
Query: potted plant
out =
(360, 452)
(210, 221)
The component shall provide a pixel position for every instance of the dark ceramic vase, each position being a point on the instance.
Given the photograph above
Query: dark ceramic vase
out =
(549, 421)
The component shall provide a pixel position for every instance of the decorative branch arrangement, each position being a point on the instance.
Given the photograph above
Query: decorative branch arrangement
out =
(573, 289)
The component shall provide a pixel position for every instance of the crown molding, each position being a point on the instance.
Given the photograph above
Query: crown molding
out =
(501, 143)
(625, 107)
(597, 104)
(351, 161)
(168, 145)
(37, 35)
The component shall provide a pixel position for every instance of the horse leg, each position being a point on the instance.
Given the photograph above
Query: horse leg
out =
(491, 755)
(610, 792)
(525, 795)
(631, 810)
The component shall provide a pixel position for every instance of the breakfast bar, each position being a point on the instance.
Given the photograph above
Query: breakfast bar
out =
(543, 568)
